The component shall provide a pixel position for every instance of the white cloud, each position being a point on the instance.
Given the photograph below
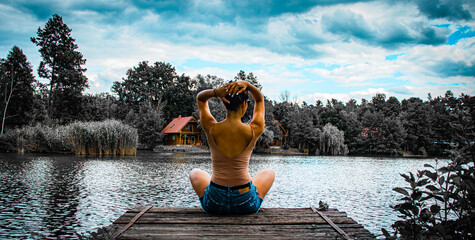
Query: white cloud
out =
(282, 53)
(16, 21)
(219, 72)
(345, 97)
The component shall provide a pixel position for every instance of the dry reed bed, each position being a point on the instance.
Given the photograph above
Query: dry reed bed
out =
(109, 137)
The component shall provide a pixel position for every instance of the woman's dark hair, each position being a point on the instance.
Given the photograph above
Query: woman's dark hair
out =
(236, 100)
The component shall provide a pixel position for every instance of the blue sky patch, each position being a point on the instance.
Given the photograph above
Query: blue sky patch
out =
(313, 48)
(393, 57)
(462, 32)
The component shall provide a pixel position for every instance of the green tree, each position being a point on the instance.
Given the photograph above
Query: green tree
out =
(417, 117)
(99, 107)
(207, 82)
(383, 132)
(62, 65)
(149, 124)
(331, 113)
(180, 97)
(352, 128)
(145, 84)
(242, 76)
(156, 84)
(271, 124)
(441, 119)
(332, 141)
(16, 89)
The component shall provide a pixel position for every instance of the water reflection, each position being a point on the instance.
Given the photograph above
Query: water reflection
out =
(57, 196)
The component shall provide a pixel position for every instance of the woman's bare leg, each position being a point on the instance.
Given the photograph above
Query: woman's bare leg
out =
(199, 180)
(263, 181)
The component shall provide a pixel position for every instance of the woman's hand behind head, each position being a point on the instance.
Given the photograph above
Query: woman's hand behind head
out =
(221, 93)
(235, 88)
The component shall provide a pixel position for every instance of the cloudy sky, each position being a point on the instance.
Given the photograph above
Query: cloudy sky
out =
(316, 49)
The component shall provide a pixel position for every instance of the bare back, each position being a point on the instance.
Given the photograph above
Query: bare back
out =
(231, 166)
(231, 142)
(231, 139)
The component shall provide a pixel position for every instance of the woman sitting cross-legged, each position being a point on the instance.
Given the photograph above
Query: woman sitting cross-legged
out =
(230, 189)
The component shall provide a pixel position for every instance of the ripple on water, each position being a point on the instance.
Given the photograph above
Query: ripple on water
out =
(51, 196)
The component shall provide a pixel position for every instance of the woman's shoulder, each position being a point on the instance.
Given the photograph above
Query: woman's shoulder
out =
(226, 128)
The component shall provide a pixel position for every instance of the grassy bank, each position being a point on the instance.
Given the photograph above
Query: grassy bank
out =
(109, 137)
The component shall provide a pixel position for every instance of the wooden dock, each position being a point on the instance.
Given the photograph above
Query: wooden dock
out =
(268, 223)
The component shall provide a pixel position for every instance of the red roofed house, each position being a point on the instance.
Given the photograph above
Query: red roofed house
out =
(368, 132)
(182, 131)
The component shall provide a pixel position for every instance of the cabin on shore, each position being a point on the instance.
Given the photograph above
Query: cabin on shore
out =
(283, 136)
(276, 143)
(182, 131)
(370, 132)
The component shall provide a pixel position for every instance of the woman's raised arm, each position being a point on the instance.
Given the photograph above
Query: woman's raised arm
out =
(206, 119)
(258, 118)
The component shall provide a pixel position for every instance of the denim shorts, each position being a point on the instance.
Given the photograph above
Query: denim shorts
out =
(241, 199)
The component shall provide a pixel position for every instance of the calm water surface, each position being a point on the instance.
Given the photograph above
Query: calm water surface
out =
(54, 196)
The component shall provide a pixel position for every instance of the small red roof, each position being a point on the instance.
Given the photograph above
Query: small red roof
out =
(177, 124)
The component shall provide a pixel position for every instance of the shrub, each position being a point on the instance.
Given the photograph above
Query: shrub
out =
(39, 138)
(109, 137)
(439, 202)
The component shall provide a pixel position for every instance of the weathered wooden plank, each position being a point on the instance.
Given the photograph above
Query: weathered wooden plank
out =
(329, 221)
(159, 233)
(287, 235)
(275, 223)
(171, 235)
(226, 230)
(249, 220)
(278, 237)
(192, 227)
(279, 214)
(243, 231)
(197, 209)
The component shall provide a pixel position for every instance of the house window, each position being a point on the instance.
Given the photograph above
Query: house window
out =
(172, 125)
(173, 138)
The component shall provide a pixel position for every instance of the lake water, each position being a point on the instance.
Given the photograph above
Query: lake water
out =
(49, 196)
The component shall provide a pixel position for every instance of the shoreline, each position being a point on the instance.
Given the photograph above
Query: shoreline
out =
(273, 151)
(191, 149)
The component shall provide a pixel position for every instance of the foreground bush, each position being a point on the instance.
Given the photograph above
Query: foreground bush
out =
(108, 137)
(439, 202)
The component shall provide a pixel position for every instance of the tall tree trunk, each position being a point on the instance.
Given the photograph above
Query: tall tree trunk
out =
(52, 82)
(7, 101)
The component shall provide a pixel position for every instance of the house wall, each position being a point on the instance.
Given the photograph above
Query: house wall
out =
(189, 135)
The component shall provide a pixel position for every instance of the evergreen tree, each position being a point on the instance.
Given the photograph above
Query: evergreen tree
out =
(417, 119)
(383, 132)
(61, 64)
(242, 76)
(16, 89)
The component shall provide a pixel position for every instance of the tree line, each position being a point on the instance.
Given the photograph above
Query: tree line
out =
(152, 94)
